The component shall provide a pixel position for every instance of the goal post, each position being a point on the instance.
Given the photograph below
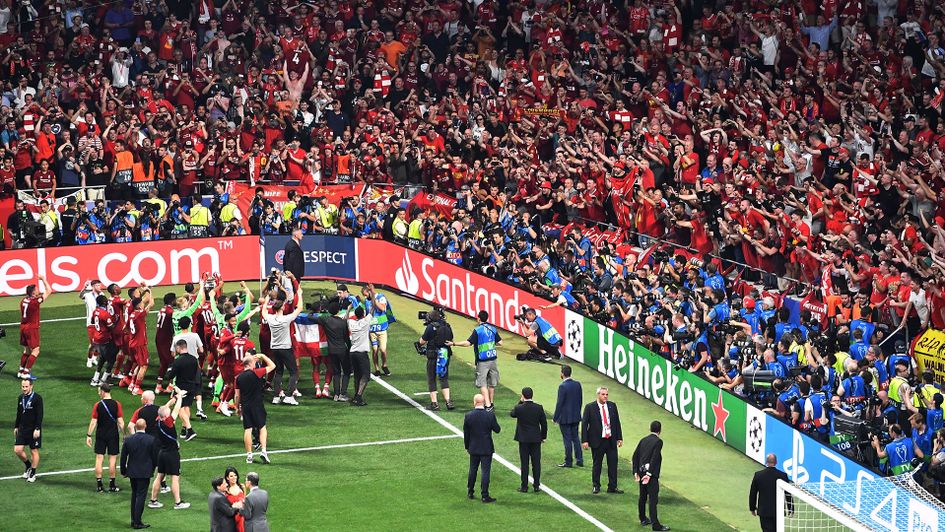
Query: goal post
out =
(800, 510)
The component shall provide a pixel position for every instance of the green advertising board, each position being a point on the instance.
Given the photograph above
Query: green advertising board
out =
(683, 394)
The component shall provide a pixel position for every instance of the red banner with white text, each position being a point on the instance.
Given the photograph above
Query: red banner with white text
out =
(279, 195)
(441, 203)
(160, 262)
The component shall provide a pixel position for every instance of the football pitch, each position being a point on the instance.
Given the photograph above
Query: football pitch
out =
(388, 466)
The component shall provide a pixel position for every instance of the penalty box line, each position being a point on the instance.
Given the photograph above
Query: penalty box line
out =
(456, 432)
(276, 451)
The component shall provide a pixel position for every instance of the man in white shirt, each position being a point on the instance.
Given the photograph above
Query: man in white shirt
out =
(359, 328)
(281, 345)
(89, 292)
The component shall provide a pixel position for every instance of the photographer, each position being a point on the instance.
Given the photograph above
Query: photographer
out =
(436, 339)
(541, 336)
(176, 219)
(896, 456)
(484, 340)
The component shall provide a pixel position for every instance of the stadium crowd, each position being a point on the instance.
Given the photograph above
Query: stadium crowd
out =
(765, 148)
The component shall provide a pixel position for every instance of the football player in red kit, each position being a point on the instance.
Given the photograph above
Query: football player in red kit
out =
(130, 367)
(234, 345)
(102, 324)
(308, 339)
(116, 307)
(163, 337)
(29, 326)
(137, 328)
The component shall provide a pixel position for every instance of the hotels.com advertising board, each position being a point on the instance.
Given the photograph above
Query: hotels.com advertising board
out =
(160, 262)
(448, 285)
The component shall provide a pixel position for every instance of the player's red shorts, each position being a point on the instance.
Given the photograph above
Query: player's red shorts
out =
(91, 330)
(139, 355)
(163, 346)
(227, 373)
(29, 338)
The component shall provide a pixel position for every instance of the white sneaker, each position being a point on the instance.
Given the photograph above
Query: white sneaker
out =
(181, 505)
(21, 374)
(165, 489)
(290, 401)
(224, 409)
(296, 393)
(264, 457)
(277, 399)
(94, 383)
(249, 458)
(32, 477)
(155, 504)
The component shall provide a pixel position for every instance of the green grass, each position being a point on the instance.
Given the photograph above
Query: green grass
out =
(416, 485)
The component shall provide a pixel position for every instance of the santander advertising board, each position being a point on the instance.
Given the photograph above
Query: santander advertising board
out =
(155, 263)
(448, 285)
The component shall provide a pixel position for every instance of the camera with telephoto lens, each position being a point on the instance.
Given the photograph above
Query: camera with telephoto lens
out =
(685, 361)
(520, 316)
(438, 313)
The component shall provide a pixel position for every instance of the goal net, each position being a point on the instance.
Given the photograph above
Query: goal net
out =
(893, 503)
(802, 510)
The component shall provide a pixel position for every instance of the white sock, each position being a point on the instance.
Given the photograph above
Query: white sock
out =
(200, 404)
(95, 377)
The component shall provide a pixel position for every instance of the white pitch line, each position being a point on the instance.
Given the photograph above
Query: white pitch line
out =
(54, 320)
(277, 451)
(455, 430)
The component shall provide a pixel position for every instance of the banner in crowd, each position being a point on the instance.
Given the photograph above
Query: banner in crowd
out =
(596, 235)
(160, 262)
(445, 284)
(441, 203)
(325, 256)
(279, 195)
(928, 350)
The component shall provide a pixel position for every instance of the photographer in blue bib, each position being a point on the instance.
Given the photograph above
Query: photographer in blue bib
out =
(898, 456)
(542, 338)
(484, 340)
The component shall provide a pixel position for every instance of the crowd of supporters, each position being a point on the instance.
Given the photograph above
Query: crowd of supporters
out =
(769, 148)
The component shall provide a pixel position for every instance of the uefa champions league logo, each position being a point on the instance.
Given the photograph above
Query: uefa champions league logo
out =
(575, 336)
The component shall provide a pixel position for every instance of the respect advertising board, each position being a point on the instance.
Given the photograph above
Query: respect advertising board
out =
(451, 286)
(159, 262)
(870, 499)
(332, 257)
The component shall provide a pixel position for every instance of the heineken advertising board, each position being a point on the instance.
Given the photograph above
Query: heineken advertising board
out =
(686, 396)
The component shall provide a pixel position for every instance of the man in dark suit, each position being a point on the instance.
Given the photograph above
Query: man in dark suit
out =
(255, 506)
(293, 260)
(600, 430)
(137, 463)
(478, 427)
(221, 511)
(568, 417)
(763, 495)
(530, 432)
(647, 462)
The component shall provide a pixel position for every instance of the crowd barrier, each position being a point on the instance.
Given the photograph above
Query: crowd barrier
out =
(718, 413)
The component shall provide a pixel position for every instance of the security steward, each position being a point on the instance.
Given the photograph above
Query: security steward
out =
(902, 396)
(199, 219)
(326, 217)
(484, 341)
(230, 211)
(27, 430)
(436, 339)
(415, 237)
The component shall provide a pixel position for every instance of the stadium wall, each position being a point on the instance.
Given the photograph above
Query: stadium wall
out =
(718, 413)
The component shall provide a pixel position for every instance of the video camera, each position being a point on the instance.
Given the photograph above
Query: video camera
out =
(438, 313)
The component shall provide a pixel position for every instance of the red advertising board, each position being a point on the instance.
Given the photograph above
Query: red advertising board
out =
(448, 285)
(155, 263)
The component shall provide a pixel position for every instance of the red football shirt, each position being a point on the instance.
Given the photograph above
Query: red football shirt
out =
(116, 306)
(137, 327)
(239, 347)
(102, 323)
(29, 312)
(165, 324)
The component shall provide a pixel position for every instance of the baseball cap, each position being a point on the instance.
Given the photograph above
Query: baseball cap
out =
(748, 303)
(546, 185)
